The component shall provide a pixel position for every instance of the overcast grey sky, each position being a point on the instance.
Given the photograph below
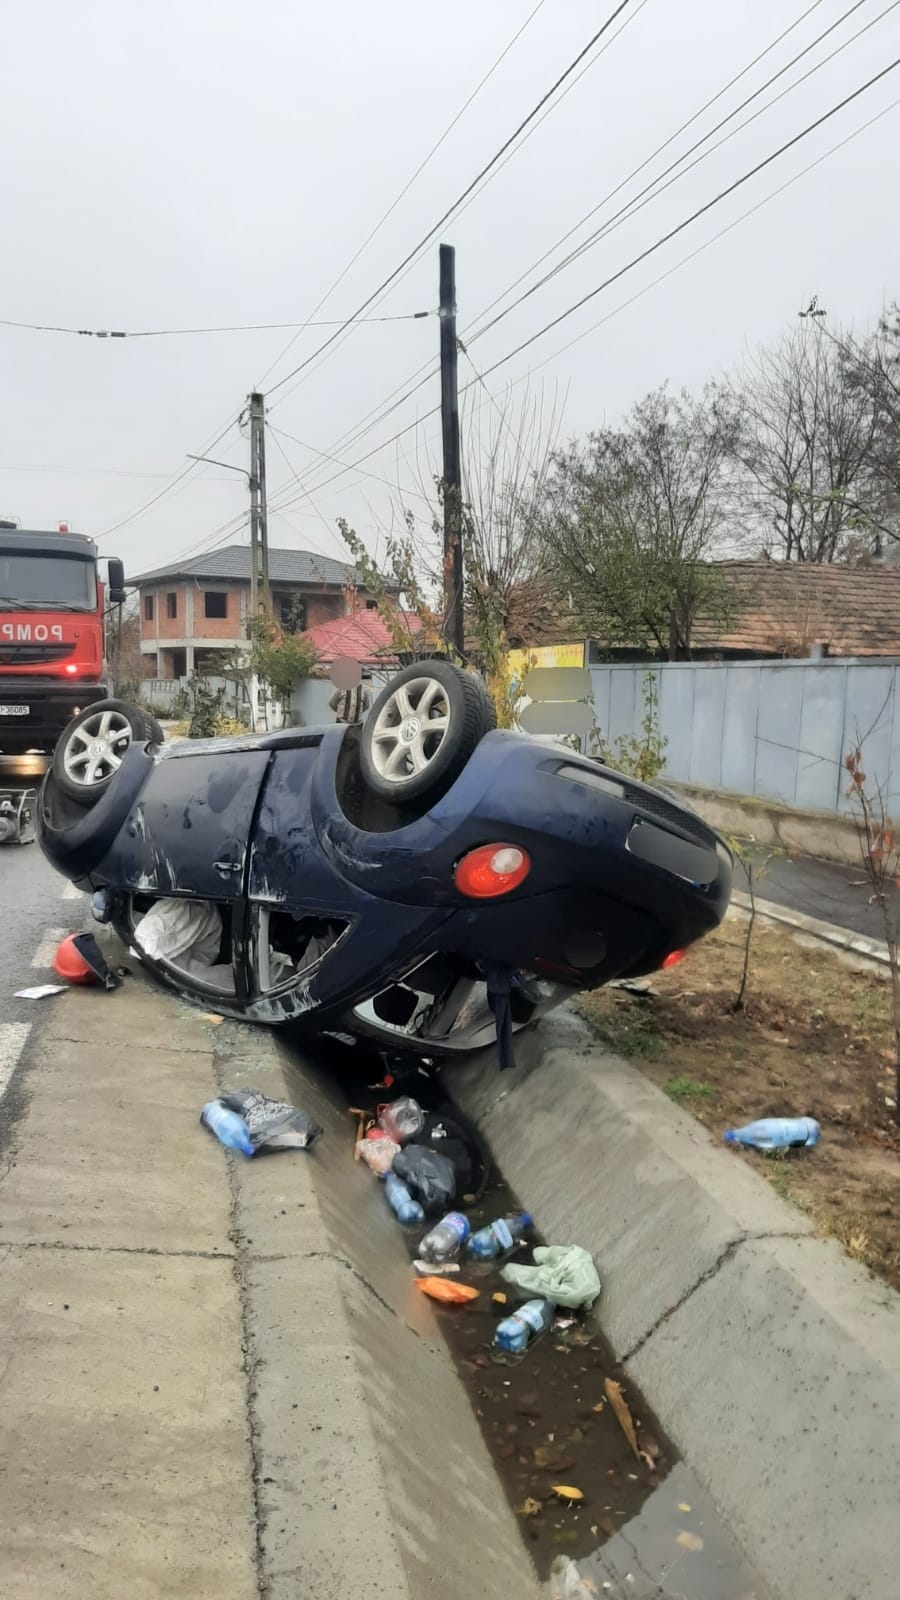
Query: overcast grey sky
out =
(203, 162)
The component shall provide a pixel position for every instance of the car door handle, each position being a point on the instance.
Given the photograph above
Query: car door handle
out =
(227, 867)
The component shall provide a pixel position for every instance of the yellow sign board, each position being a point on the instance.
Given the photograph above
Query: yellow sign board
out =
(545, 655)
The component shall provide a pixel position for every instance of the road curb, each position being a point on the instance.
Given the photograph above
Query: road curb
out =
(370, 1472)
(770, 1357)
(853, 944)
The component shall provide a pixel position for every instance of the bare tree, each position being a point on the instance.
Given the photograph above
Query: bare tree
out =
(872, 367)
(634, 517)
(807, 444)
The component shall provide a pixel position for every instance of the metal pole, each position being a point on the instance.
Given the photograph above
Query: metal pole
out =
(454, 622)
(257, 428)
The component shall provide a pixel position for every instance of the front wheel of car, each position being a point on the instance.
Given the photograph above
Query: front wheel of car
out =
(422, 730)
(91, 748)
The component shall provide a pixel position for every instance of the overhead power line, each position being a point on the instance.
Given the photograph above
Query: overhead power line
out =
(672, 137)
(701, 211)
(173, 482)
(379, 413)
(169, 333)
(649, 251)
(426, 238)
(408, 185)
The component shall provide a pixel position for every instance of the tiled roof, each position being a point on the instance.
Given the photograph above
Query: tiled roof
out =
(285, 566)
(782, 609)
(364, 637)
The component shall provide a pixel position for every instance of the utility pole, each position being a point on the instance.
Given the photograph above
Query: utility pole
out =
(260, 599)
(454, 620)
(259, 523)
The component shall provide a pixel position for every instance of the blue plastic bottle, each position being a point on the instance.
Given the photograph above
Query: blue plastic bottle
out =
(228, 1127)
(776, 1133)
(406, 1209)
(498, 1237)
(525, 1325)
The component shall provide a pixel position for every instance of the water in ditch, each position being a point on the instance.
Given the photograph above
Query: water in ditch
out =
(642, 1528)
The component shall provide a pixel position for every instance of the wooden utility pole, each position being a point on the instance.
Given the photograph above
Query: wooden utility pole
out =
(454, 619)
(260, 599)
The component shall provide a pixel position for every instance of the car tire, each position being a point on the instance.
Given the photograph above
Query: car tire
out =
(407, 753)
(92, 746)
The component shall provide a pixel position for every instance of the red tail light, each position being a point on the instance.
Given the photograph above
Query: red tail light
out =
(492, 870)
(673, 959)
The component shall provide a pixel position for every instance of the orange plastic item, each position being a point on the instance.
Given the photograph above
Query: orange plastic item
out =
(455, 1294)
(68, 963)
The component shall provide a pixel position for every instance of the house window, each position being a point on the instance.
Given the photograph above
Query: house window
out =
(172, 604)
(215, 603)
(290, 612)
(148, 608)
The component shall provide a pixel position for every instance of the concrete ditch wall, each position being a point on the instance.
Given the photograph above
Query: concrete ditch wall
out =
(771, 1359)
(373, 1477)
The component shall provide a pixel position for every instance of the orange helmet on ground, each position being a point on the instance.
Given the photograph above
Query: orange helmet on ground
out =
(70, 964)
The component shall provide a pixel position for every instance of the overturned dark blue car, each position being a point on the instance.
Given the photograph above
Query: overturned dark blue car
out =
(425, 881)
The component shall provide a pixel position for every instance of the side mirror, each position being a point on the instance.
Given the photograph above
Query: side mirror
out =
(116, 572)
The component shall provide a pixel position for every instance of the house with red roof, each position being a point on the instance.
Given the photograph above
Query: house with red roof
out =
(365, 637)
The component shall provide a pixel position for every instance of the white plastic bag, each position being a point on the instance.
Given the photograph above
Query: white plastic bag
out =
(174, 928)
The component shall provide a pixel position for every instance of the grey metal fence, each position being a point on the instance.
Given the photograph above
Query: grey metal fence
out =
(779, 730)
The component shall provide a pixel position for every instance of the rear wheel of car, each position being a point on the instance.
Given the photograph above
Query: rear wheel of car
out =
(92, 747)
(422, 730)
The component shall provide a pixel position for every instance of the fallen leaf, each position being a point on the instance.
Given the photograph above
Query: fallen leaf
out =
(567, 1492)
(529, 1508)
(623, 1416)
(498, 1299)
(689, 1541)
(684, 1506)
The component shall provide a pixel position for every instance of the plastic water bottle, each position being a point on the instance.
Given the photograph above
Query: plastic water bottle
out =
(497, 1237)
(528, 1323)
(406, 1209)
(228, 1127)
(446, 1238)
(776, 1133)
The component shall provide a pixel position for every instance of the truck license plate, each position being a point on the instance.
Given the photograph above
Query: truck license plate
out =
(14, 711)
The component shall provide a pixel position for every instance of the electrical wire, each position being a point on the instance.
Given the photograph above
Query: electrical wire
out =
(325, 454)
(426, 239)
(408, 185)
(666, 143)
(664, 239)
(707, 243)
(701, 211)
(404, 272)
(656, 187)
(178, 478)
(250, 327)
(379, 413)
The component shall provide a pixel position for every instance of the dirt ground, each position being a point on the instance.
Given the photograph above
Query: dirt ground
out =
(814, 1039)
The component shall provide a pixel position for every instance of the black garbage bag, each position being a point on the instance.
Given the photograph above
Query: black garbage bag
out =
(442, 1131)
(272, 1124)
(428, 1176)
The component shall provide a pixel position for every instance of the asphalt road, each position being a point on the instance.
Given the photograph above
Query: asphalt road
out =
(821, 889)
(38, 908)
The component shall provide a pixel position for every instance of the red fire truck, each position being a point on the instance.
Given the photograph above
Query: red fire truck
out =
(52, 657)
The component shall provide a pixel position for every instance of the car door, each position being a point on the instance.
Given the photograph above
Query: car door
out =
(189, 832)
